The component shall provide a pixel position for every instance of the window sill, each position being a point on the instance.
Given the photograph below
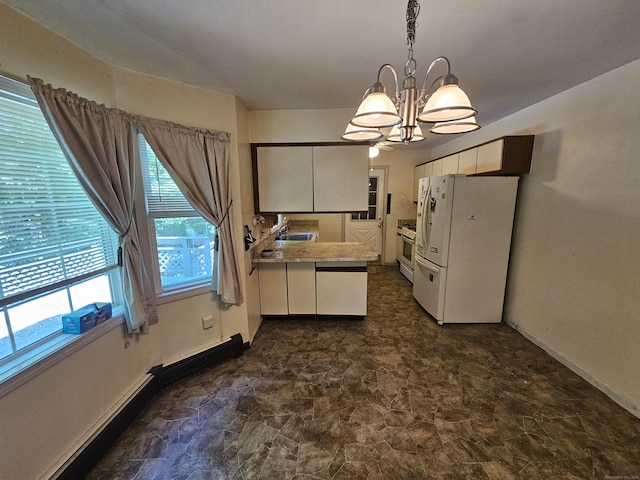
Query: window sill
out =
(16, 373)
(185, 292)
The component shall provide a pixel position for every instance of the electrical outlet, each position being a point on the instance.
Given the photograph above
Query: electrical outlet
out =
(207, 322)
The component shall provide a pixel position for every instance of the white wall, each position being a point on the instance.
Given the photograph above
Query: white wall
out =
(572, 285)
(43, 420)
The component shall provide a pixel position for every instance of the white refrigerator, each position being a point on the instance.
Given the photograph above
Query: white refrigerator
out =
(463, 239)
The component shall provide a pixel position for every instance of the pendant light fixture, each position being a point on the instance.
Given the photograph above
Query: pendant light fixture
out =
(448, 107)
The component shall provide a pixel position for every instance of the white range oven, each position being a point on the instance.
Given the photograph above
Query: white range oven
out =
(405, 249)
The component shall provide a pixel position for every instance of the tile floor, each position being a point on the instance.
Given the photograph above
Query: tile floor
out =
(393, 396)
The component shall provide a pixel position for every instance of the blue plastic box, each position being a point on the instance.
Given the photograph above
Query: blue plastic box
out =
(85, 318)
(79, 321)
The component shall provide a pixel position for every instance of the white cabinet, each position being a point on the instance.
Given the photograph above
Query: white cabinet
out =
(467, 161)
(340, 179)
(449, 164)
(301, 288)
(287, 288)
(285, 179)
(341, 288)
(428, 170)
(318, 178)
(307, 288)
(273, 289)
(436, 166)
(490, 157)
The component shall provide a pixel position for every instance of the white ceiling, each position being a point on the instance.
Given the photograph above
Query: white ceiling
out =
(305, 54)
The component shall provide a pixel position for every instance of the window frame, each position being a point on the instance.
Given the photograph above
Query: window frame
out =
(26, 362)
(150, 247)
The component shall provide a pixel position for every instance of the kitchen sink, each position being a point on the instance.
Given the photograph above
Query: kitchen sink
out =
(301, 237)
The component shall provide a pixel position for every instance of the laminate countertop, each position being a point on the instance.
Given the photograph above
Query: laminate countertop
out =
(295, 251)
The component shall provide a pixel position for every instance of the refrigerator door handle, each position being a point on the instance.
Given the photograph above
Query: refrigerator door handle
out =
(426, 266)
(425, 218)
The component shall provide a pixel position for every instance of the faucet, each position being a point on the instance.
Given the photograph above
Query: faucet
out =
(285, 227)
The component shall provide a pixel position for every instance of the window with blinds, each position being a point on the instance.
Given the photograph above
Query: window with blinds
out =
(183, 241)
(56, 250)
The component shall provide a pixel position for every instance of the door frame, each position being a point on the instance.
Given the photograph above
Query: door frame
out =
(384, 173)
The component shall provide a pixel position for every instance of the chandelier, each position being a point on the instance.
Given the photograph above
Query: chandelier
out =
(447, 108)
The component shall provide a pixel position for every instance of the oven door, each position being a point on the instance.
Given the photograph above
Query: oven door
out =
(407, 253)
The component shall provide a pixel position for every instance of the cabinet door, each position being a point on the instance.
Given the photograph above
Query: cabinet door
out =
(467, 161)
(301, 288)
(340, 178)
(418, 173)
(450, 164)
(437, 168)
(428, 170)
(340, 289)
(273, 288)
(490, 157)
(285, 179)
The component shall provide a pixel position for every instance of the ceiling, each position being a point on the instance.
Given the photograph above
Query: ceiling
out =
(306, 54)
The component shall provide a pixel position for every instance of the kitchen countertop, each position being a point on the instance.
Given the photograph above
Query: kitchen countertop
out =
(295, 251)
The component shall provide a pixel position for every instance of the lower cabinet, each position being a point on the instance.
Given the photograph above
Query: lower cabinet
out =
(273, 289)
(307, 288)
(341, 288)
(301, 288)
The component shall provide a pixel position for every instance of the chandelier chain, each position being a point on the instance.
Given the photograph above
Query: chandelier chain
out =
(413, 9)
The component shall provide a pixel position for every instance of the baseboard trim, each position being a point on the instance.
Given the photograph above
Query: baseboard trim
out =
(620, 399)
(166, 375)
(80, 464)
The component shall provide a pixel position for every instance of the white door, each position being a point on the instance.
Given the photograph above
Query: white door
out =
(429, 282)
(437, 219)
(368, 227)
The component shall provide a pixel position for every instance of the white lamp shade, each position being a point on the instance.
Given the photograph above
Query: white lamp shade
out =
(459, 126)
(448, 103)
(374, 152)
(361, 134)
(394, 134)
(376, 111)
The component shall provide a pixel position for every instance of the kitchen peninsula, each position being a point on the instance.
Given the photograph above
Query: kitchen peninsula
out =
(313, 278)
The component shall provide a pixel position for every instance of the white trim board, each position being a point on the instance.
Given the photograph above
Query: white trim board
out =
(620, 399)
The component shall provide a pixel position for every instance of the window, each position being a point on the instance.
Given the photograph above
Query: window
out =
(183, 241)
(371, 213)
(57, 253)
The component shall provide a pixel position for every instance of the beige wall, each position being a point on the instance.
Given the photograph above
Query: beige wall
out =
(572, 285)
(43, 420)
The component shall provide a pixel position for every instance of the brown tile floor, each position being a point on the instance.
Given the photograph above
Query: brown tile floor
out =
(393, 396)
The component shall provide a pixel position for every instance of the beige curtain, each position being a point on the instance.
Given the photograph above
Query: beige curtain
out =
(198, 161)
(99, 144)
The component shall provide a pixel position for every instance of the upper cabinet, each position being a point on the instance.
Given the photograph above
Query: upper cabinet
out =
(467, 161)
(285, 179)
(340, 179)
(450, 164)
(509, 155)
(505, 156)
(310, 178)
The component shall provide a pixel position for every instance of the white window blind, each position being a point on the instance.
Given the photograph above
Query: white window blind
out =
(164, 198)
(50, 232)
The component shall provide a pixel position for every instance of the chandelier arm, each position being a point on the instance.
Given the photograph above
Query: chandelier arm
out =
(439, 59)
(388, 66)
